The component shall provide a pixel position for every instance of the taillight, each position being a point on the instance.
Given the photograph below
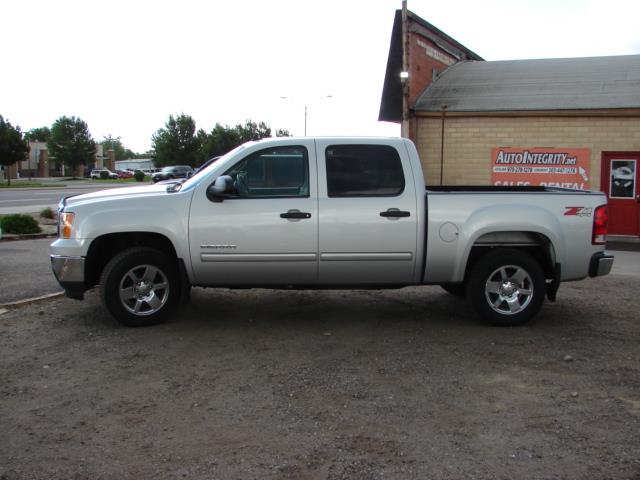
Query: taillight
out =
(600, 225)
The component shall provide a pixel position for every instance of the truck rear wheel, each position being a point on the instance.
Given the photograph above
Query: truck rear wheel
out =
(507, 287)
(139, 286)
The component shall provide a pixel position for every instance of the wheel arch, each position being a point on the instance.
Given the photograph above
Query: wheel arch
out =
(536, 244)
(105, 247)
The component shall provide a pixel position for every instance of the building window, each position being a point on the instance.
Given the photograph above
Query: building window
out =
(623, 179)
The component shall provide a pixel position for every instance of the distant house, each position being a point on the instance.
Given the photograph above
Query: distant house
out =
(135, 164)
(39, 164)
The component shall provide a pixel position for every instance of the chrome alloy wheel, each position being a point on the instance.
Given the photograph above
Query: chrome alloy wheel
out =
(509, 289)
(144, 290)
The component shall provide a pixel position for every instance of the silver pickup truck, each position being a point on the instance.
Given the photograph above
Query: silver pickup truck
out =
(327, 213)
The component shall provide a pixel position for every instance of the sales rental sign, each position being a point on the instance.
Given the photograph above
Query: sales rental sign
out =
(550, 167)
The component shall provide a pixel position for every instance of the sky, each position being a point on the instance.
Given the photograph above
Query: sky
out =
(125, 66)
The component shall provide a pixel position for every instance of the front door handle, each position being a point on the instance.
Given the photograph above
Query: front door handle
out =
(295, 214)
(395, 213)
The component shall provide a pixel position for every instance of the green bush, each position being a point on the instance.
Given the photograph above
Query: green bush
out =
(19, 224)
(104, 175)
(139, 175)
(48, 213)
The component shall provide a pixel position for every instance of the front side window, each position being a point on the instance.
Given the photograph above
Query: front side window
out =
(363, 171)
(272, 172)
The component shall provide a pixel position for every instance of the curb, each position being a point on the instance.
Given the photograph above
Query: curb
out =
(30, 236)
(28, 301)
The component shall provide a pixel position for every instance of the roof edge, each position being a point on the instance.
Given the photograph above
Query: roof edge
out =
(446, 37)
(576, 112)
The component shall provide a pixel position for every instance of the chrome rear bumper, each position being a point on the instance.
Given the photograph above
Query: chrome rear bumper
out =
(601, 264)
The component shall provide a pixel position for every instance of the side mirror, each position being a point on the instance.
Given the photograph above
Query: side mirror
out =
(221, 188)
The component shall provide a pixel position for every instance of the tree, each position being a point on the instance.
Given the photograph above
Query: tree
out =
(282, 133)
(176, 143)
(115, 143)
(41, 134)
(224, 138)
(13, 148)
(71, 143)
(253, 131)
(219, 141)
(179, 143)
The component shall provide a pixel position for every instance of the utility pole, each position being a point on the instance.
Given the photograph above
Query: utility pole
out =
(404, 132)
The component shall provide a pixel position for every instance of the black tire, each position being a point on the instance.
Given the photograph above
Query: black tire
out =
(507, 287)
(455, 289)
(151, 298)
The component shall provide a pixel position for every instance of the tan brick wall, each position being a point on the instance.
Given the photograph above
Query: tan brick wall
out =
(468, 142)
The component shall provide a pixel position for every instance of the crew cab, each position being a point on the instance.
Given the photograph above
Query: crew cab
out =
(312, 213)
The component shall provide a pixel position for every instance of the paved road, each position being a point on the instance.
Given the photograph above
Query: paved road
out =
(29, 200)
(25, 271)
(626, 263)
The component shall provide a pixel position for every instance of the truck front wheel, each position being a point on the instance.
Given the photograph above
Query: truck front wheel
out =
(507, 287)
(139, 286)
(455, 289)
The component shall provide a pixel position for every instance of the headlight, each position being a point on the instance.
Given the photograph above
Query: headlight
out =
(66, 224)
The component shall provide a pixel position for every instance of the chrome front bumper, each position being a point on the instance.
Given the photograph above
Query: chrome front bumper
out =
(68, 269)
(69, 272)
(601, 264)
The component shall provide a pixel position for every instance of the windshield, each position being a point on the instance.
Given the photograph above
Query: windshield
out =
(195, 178)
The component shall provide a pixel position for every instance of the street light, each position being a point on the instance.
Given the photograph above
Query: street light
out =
(305, 108)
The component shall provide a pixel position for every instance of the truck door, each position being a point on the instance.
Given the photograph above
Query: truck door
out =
(266, 233)
(368, 218)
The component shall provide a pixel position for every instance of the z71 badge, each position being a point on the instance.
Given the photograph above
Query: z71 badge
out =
(578, 211)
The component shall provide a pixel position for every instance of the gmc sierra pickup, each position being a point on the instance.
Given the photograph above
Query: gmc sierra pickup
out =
(327, 213)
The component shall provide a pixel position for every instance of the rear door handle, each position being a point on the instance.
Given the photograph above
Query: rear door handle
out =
(395, 213)
(295, 214)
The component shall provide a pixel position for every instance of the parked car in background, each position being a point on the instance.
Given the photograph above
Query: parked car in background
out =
(96, 173)
(195, 172)
(124, 173)
(175, 171)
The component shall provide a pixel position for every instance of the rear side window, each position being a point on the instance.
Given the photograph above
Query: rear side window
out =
(363, 171)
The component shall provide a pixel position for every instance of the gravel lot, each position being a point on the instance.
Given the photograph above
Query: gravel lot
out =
(337, 385)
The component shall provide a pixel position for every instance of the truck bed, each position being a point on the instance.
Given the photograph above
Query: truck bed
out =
(503, 189)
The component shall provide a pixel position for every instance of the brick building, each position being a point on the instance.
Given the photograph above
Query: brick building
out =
(571, 123)
(39, 164)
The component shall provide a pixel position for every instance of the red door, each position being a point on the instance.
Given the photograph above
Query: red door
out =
(620, 178)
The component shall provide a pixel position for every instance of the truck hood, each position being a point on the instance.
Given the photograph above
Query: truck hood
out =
(114, 193)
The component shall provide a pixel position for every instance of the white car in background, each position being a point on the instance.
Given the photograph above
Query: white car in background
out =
(96, 174)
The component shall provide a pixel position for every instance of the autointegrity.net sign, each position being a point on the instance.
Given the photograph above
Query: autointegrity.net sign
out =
(551, 167)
